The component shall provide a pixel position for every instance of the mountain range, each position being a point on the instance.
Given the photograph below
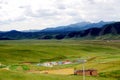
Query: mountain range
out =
(82, 30)
(76, 27)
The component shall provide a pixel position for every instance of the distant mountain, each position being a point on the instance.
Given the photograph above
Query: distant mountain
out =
(112, 29)
(69, 28)
(31, 30)
(97, 25)
(84, 30)
(76, 27)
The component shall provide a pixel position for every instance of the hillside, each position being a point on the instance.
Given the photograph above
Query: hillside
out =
(110, 29)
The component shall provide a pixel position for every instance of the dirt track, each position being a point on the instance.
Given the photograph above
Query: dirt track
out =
(66, 71)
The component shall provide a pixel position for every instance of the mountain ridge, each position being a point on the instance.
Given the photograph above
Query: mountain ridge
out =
(76, 27)
(91, 32)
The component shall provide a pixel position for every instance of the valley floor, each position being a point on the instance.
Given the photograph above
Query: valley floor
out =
(18, 59)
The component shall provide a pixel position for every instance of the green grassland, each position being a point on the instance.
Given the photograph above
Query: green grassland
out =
(101, 55)
(7, 75)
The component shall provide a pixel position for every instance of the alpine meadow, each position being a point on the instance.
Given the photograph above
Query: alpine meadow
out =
(100, 55)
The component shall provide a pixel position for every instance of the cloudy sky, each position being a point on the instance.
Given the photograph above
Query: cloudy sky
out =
(39, 14)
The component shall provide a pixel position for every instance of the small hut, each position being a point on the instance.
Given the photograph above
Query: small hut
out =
(89, 72)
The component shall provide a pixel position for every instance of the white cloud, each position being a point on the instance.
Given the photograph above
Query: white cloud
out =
(39, 14)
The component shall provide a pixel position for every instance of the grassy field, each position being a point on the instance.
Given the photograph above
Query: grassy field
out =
(101, 55)
(7, 75)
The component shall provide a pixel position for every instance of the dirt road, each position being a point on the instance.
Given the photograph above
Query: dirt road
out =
(66, 71)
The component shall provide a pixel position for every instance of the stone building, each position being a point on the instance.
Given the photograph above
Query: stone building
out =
(89, 72)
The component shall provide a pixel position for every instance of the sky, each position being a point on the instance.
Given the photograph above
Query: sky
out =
(40, 14)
